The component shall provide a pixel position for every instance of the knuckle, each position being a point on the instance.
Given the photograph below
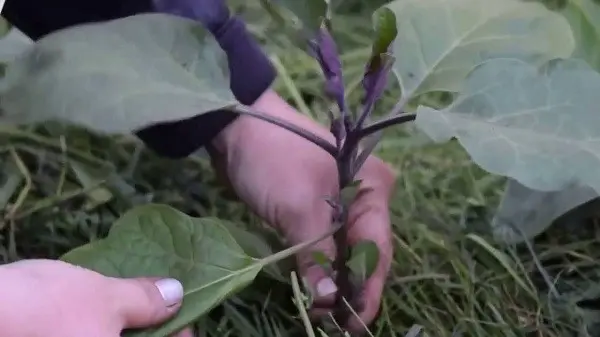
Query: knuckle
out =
(137, 302)
(152, 299)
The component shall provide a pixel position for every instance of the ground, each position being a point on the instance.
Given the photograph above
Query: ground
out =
(447, 278)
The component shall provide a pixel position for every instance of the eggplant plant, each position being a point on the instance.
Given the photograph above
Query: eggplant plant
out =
(524, 107)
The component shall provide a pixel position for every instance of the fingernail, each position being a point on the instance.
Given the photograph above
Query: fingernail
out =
(326, 287)
(171, 290)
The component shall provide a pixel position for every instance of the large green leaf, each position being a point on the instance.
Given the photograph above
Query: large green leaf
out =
(118, 76)
(533, 211)
(440, 41)
(156, 240)
(536, 125)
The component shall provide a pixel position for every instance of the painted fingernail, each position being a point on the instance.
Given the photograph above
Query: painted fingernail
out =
(326, 287)
(171, 291)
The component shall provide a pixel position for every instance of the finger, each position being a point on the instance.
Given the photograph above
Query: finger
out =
(307, 223)
(187, 332)
(144, 302)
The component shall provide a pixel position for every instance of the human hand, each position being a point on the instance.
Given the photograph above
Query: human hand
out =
(46, 298)
(285, 179)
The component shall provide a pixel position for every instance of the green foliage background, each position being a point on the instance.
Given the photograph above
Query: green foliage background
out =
(447, 275)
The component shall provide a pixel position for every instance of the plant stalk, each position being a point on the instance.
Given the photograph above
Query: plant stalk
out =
(347, 290)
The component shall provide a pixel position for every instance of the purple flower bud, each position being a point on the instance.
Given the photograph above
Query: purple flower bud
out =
(325, 52)
(375, 78)
(374, 83)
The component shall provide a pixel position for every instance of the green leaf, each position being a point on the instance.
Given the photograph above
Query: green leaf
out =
(533, 211)
(536, 125)
(118, 76)
(440, 41)
(385, 33)
(364, 257)
(157, 240)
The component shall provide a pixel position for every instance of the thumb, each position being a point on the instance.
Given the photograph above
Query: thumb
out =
(143, 302)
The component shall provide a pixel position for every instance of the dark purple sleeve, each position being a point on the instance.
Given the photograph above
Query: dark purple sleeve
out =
(251, 71)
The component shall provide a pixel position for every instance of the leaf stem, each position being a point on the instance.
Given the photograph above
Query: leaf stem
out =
(313, 138)
(384, 123)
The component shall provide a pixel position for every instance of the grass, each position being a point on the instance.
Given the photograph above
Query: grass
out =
(62, 187)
